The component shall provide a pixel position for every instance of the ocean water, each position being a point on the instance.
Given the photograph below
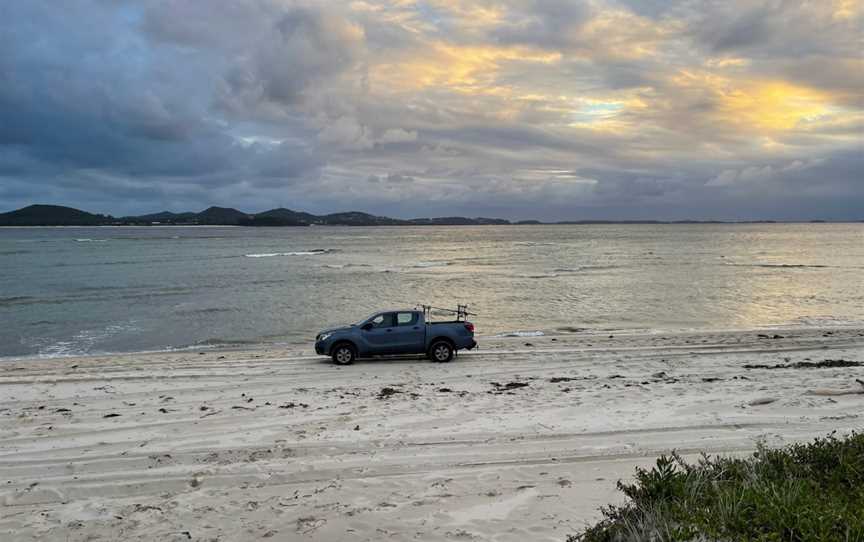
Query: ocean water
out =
(68, 291)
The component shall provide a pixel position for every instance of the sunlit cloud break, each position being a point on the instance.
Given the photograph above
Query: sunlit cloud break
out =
(556, 109)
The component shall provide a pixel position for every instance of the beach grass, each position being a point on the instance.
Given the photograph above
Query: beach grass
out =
(803, 492)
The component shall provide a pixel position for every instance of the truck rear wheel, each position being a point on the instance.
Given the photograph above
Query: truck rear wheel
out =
(344, 354)
(441, 351)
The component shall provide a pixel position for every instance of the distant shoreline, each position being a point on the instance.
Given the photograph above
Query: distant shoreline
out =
(72, 226)
(514, 224)
(59, 216)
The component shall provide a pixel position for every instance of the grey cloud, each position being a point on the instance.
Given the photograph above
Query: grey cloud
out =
(766, 29)
(224, 24)
(744, 31)
(301, 49)
(129, 111)
(653, 8)
(547, 24)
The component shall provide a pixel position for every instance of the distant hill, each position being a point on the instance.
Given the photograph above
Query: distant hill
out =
(164, 216)
(222, 216)
(481, 221)
(290, 216)
(356, 218)
(52, 215)
(459, 221)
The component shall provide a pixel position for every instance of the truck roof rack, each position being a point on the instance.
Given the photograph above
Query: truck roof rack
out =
(461, 311)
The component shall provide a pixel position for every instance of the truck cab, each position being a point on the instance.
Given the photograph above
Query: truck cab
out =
(396, 332)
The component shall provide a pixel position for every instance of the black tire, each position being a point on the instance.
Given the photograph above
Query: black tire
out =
(441, 351)
(343, 354)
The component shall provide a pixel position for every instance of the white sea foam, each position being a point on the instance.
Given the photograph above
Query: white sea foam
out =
(520, 334)
(777, 265)
(83, 342)
(539, 276)
(423, 265)
(91, 240)
(316, 252)
(343, 265)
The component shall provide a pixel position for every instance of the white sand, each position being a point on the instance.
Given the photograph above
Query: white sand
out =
(282, 445)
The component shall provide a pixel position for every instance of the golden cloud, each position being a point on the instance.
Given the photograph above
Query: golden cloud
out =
(623, 34)
(847, 9)
(469, 69)
(471, 13)
(755, 105)
(773, 105)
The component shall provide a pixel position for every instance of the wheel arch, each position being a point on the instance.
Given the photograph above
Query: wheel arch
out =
(345, 342)
(444, 338)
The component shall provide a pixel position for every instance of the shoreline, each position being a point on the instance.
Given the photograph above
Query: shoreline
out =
(298, 348)
(523, 439)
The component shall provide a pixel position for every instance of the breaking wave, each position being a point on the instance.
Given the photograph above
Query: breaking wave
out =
(83, 342)
(210, 310)
(313, 252)
(343, 265)
(779, 265)
(582, 268)
(219, 342)
(16, 300)
(539, 276)
(520, 334)
(424, 265)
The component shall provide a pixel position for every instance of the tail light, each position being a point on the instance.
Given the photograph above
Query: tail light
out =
(469, 326)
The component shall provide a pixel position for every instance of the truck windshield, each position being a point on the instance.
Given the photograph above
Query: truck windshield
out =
(380, 319)
(364, 320)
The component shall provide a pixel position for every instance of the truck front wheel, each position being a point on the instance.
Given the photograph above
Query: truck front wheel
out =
(441, 351)
(344, 354)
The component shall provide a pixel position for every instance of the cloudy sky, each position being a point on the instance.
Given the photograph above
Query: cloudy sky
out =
(551, 109)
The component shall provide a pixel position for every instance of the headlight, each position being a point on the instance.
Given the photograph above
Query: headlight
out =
(324, 336)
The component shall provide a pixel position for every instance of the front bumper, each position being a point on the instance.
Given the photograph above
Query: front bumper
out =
(321, 348)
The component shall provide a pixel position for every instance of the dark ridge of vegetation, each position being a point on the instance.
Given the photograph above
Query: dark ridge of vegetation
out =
(51, 215)
(268, 222)
(804, 492)
(824, 364)
(56, 215)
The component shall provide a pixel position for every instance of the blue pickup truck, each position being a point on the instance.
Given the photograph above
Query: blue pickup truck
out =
(396, 332)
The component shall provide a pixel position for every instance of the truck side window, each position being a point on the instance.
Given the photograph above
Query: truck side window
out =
(406, 318)
(383, 320)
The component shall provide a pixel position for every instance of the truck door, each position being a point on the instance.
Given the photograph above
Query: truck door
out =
(410, 333)
(380, 337)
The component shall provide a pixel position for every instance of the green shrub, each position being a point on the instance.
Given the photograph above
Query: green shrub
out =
(804, 492)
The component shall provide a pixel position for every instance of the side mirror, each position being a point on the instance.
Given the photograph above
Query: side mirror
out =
(367, 326)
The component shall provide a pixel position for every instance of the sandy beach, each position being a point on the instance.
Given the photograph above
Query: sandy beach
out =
(523, 439)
